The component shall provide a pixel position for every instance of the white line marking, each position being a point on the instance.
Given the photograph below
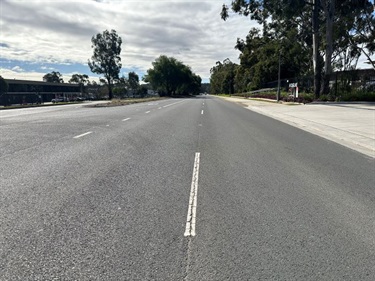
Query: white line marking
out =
(147, 112)
(159, 108)
(173, 103)
(202, 111)
(85, 134)
(191, 216)
(126, 119)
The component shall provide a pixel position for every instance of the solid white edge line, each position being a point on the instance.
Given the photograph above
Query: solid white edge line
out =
(79, 136)
(191, 215)
(126, 119)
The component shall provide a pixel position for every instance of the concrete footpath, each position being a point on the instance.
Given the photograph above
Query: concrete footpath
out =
(349, 124)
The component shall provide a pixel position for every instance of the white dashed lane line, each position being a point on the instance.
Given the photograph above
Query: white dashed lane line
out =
(82, 135)
(126, 119)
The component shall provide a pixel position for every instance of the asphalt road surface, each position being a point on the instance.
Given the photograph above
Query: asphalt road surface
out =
(179, 189)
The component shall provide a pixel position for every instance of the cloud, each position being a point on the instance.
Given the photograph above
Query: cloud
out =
(60, 32)
(17, 69)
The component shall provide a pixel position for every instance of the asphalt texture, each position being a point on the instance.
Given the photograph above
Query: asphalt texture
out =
(103, 194)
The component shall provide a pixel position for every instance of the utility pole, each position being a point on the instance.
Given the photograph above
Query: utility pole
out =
(278, 81)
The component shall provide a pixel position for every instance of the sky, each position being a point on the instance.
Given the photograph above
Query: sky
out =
(40, 36)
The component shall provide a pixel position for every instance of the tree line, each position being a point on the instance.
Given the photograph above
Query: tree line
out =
(307, 37)
(169, 77)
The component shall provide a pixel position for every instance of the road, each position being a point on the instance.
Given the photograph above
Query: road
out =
(179, 189)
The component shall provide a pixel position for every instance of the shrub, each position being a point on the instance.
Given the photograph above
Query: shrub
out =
(358, 96)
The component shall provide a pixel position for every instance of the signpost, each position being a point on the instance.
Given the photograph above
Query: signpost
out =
(294, 87)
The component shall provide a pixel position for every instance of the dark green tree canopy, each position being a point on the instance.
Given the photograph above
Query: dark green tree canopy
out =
(53, 77)
(172, 77)
(106, 59)
(333, 33)
(222, 79)
(133, 81)
(79, 79)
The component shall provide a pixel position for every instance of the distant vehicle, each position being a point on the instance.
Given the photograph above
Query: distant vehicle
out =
(62, 99)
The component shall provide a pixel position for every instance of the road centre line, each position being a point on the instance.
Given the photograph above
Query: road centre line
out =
(191, 216)
(147, 112)
(126, 119)
(202, 111)
(82, 135)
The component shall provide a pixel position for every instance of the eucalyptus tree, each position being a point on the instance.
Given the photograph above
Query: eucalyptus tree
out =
(53, 77)
(222, 80)
(80, 79)
(319, 23)
(133, 81)
(106, 58)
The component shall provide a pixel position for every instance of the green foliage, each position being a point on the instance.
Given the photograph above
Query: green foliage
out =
(222, 80)
(133, 81)
(80, 79)
(306, 97)
(142, 91)
(358, 96)
(106, 59)
(120, 92)
(171, 77)
(53, 77)
(287, 28)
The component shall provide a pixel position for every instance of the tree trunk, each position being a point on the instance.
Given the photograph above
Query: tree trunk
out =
(316, 43)
(329, 11)
(110, 94)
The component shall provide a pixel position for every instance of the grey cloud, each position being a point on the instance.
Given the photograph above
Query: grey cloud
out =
(56, 31)
(42, 18)
(3, 45)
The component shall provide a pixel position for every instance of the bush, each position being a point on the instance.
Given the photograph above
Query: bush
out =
(358, 96)
(305, 97)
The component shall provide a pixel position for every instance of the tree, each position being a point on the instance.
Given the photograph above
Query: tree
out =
(171, 77)
(222, 80)
(106, 59)
(319, 24)
(133, 81)
(80, 79)
(53, 77)
(363, 37)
